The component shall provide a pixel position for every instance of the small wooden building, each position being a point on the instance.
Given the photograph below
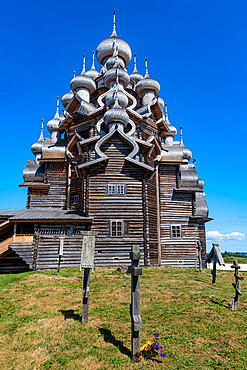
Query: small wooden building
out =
(111, 165)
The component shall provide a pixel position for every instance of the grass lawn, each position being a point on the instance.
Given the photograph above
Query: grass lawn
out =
(40, 320)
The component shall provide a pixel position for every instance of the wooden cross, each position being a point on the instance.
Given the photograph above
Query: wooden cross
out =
(234, 302)
(136, 321)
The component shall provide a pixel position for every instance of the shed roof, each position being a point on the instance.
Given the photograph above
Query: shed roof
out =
(47, 214)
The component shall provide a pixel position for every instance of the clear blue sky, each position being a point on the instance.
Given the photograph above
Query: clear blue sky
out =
(196, 49)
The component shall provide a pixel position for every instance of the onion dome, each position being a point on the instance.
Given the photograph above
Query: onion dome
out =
(200, 184)
(187, 154)
(105, 48)
(122, 98)
(147, 84)
(161, 103)
(135, 75)
(34, 171)
(66, 98)
(83, 81)
(53, 124)
(92, 73)
(172, 131)
(116, 115)
(36, 148)
(110, 76)
(112, 61)
(117, 92)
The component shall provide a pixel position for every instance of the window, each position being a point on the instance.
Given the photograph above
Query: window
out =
(120, 189)
(117, 228)
(115, 189)
(76, 199)
(111, 189)
(176, 231)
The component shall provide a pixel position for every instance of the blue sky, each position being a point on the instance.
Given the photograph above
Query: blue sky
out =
(196, 49)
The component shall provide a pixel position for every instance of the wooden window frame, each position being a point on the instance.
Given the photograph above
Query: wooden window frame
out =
(111, 186)
(174, 235)
(116, 222)
(76, 197)
(116, 187)
(120, 186)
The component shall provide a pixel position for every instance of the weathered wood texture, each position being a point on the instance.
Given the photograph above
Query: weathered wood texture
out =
(176, 209)
(233, 304)
(148, 199)
(55, 195)
(136, 321)
(48, 252)
(75, 190)
(24, 250)
(202, 238)
(4, 245)
(152, 220)
(7, 233)
(11, 263)
(85, 295)
(19, 258)
(127, 207)
(148, 128)
(16, 250)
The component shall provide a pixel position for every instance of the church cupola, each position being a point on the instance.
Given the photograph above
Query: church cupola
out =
(36, 148)
(170, 131)
(106, 48)
(53, 125)
(116, 115)
(122, 98)
(110, 77)
(147, 88)
(83, 85)
(66, 98)
(115, 60)
(135, 75)
(187, 154)
(93, 73)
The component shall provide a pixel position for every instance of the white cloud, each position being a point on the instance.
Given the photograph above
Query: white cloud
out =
(216, 235)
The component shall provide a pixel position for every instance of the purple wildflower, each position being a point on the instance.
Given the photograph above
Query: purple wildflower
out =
(156, 335)
(162, 354)
(156, 346)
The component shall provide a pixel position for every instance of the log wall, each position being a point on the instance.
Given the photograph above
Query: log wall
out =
(55, 195)
(127, 207)
(48, 252)
(152, 220)
(176, 209)
(18, 258)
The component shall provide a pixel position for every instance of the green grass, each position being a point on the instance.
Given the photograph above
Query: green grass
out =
(197, 329)
(229, 259)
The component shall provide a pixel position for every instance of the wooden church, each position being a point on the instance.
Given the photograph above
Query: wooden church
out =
(112, 166)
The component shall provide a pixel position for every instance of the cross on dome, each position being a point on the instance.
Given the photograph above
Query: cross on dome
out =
(42, 130)
(146, 68)
(181, 135)
(114, 33)
(84, 65)
(93, 66)
(57, 112)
